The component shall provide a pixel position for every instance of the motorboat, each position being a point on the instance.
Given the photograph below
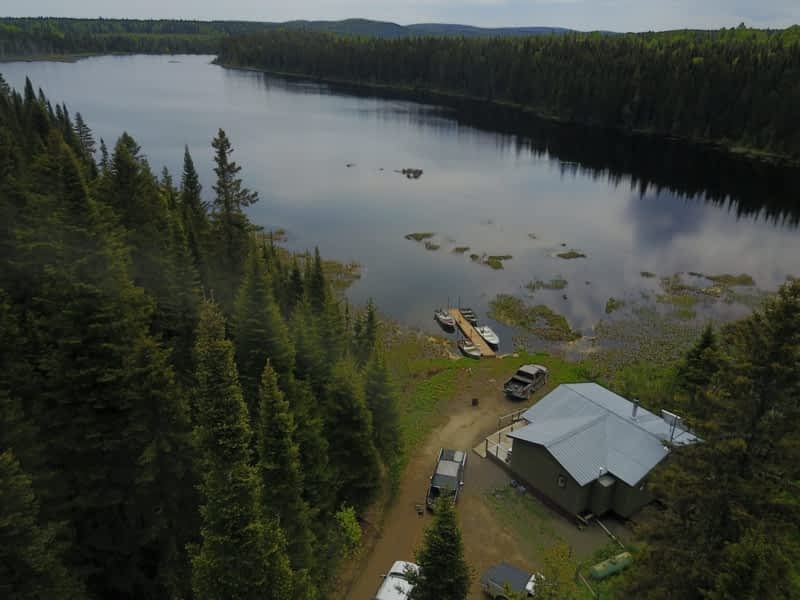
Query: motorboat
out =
(469, 315)
(469, 349)
(445, 320)
(489, 335)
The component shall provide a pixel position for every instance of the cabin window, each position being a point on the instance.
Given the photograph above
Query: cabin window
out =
(562, 481)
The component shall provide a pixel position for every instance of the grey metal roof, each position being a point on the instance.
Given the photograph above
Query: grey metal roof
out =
(588, 428)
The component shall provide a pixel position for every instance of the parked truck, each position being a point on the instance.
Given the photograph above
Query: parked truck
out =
(504, 579)
(525, 381)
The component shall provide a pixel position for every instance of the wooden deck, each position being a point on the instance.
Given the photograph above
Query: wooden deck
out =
(469, 332)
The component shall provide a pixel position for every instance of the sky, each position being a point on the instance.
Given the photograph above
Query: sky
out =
(615, 15)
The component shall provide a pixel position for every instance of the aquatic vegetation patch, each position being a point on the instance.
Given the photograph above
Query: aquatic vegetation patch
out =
(532, 236)
(460, 249)
(571, 254)
(727, 280)
(420, 236)
(557, 283)
(614, 305)
(475, 257)
(429, 245)
(540, 320)
(681, 300)
(341, 275)
(647, 274)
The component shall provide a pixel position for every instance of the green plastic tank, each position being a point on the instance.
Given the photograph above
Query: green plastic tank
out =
(608, 567)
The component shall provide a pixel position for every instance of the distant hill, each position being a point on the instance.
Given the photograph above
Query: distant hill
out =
(385, 29)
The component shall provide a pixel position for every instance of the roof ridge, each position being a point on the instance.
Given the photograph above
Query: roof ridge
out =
(633, 422)
(590, 423)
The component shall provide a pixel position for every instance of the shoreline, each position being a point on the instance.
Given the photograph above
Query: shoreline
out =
(731, 149)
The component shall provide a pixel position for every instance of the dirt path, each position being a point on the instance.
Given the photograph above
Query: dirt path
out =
(463, 426)
(487, 540)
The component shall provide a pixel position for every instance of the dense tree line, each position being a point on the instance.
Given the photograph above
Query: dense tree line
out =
(730, 522)
(737, 87)
(186, 410)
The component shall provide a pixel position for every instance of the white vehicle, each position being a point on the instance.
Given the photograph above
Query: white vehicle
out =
(395, 584)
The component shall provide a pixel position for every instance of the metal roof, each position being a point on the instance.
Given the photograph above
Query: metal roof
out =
(591, 431)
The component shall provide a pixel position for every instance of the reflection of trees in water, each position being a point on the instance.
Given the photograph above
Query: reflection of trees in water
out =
(748, 187)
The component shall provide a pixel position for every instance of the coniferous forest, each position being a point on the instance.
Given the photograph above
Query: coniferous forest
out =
(739, 88)
(171, 423)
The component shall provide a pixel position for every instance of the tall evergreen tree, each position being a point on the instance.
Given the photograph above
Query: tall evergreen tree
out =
(281, 473)
(444, 573)
(348, 423)
(382, 401)
(366, 333)
(730, 528)
(230, 227)
(259, 331)
(30, 565)
(194, 213)
(242, 554)
(696, 372)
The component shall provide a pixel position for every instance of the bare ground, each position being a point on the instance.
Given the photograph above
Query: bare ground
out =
(488, 536)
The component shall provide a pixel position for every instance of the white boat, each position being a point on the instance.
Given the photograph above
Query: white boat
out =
(487, 334)
(446, 322)
(469, 349)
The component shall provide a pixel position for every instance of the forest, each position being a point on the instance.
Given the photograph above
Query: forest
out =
(186, 410)
(738, 88)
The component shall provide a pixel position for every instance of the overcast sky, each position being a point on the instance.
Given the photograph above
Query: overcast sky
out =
(617, 15)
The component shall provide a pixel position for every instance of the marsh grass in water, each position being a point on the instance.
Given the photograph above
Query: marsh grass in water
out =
(571, 254)
(539, 320)
(557, 283)
(614, 305)
(429, 245)
(647, 274)
(460, 249)
(420, 236)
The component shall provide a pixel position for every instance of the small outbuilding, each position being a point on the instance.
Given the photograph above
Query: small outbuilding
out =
(589, 450)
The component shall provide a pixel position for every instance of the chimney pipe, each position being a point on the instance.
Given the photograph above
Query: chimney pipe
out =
(635, 408)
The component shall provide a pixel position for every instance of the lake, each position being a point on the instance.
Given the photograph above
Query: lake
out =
(496, 181)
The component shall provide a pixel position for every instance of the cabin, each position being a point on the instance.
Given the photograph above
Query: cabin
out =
(588, 451)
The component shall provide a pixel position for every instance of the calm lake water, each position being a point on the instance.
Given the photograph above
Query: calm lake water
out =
(490, 179)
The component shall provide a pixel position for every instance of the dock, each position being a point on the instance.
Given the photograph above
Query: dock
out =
(469, 332)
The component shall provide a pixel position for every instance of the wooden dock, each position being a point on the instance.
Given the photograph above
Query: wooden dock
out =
(469, 332)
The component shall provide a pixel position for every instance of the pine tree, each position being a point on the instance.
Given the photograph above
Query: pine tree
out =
(696, 371)
(194, 213)
(382, 401)
(317, 285)
(259, 331)
(242, 554)
(444, 573)
(730, 527)
(229, 225)
(366, 334)
(348, 423)
(84, 136)
(281, 474)
(30, 565)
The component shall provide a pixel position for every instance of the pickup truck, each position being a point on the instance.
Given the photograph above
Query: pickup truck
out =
(525, 381)
(448, 476)
(502, 579)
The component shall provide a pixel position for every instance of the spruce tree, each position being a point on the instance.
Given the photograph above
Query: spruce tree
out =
(354, 460)
(444, 573)
(695, 373)
(30, 565)
(366, 335)
(382, 401)
(229, 225)
(194, 213)
(281, 473)
(242, 553)
(259, 331)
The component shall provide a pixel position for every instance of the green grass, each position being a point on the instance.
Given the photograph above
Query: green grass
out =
(529, 519)
(613, 305)
(557, 283)
(540, 320)
(420, 236)
(727, 280)
(685, 301)
(571, 254)
(460, 249)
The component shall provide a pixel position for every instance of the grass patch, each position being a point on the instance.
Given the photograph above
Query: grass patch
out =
(726, 280)
(540, 320)
(460, 249)
(614, 305)
(529, 519)
(494, 263)
(420, 236)
(681, 300)
(647, 274)
(431, 246)
(571, 254)
(686, 314)
(557, 283)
